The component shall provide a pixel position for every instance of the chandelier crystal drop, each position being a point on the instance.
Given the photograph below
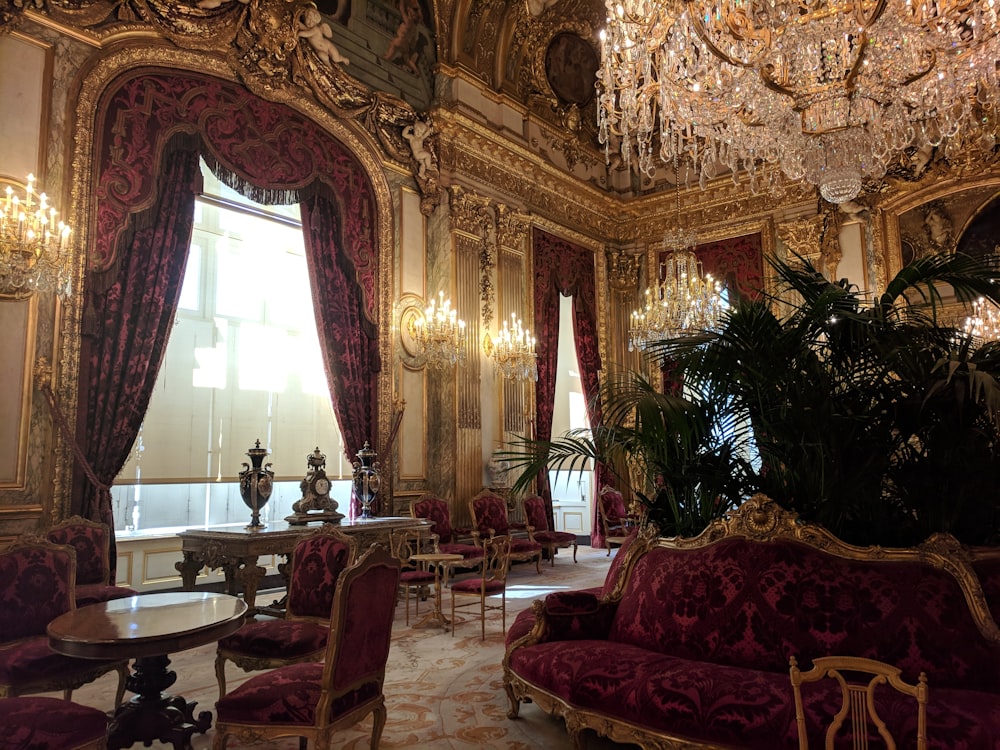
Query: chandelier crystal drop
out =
(35, 250)
(984, 323)
(441, 335)
(513, 351)
(830, 91)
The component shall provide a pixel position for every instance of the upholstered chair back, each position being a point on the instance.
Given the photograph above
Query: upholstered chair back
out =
(361, 626)
(534, 513)
(36, 586)
(612, 505)
(489, 513)
(92, 541)
(435, 510)
(317, 562)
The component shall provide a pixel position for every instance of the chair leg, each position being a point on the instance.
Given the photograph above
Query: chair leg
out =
(482, 617)
(574, 551)
(552, 556)
(378, 723)
(220, 674)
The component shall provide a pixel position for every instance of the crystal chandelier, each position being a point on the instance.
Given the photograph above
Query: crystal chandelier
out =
(984, 323)
(440, 334)
(685, 299)
(513, 351)
(35, 252)
(829, 90)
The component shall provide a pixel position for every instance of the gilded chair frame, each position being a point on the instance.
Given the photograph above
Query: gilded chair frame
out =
(521, 550)
(249, 663)
(492, 580)
(858, 698)
(321, 731)
(404, 544)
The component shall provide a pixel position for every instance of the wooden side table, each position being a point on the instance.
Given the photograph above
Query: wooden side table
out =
(440, 562)
(148, 628)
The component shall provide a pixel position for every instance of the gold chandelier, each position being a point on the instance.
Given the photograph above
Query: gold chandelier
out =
(35, 252)
(513, 352)
(984, 323)
(829, 90)
(440, 334)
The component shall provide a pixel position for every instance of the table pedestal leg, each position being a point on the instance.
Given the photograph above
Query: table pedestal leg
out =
(437, 617)
(153, 715)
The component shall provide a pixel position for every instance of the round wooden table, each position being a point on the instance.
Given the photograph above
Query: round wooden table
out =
(440, 562)
(147, 628)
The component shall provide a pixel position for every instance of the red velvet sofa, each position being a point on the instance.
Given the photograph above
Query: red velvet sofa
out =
(687, 644)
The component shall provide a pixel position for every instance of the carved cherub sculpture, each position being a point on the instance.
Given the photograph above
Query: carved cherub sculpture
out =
(417, 135)
(537, 7)
(317, 32)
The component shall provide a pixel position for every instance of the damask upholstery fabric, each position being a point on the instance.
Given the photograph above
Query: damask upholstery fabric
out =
(286, 639)
(39, 723)
(317, 565)
(93, 568)
(698, 646)
(435, 510)
(36, 586)
(90, 543)
(534, 511)
(731, 705)
(286, 696)
(723, 605)
(489, 512)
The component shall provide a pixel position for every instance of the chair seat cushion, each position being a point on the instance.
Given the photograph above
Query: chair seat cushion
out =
(277, 638)
(93, 593)
(523, 546)
(474, 585)
(555, 537)
(414, 577)
(31, 660)
(468, 551)
(38, 723)
(287, 695)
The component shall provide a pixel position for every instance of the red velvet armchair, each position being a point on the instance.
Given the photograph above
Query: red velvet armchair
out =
(40, 723)
(36, 586)
(436, 510)
(314, 699)
(616, 523)
(489, 518)
(534, 512)
(317, 562)
(92, 542)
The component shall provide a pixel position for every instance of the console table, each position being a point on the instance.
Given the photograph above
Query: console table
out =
(235, 549)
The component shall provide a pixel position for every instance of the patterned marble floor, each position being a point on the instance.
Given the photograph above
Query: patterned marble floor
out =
(443, 690)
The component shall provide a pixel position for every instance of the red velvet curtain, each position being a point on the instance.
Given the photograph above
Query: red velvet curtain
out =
(563, 268)
(350, 340)
(129, 323)
(265, 150)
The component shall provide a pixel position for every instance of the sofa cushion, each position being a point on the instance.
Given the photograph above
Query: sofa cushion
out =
(732, 706)
(754, 604)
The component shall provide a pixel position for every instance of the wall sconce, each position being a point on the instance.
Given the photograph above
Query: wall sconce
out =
(440, 335)
(35, 252)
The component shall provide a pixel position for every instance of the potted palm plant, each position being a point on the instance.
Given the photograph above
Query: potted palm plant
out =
(877, 418)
